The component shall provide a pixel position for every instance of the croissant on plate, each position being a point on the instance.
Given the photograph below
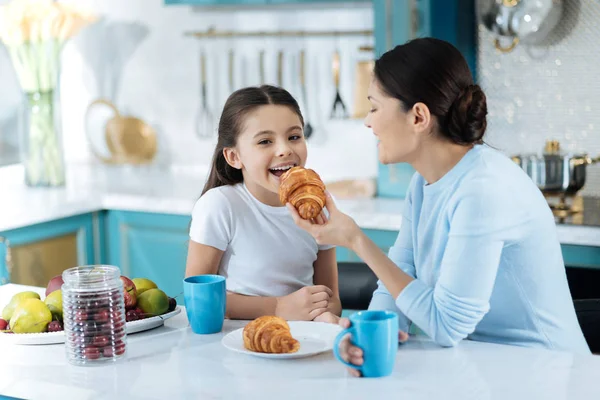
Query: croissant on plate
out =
(269, 334)
(304, 189)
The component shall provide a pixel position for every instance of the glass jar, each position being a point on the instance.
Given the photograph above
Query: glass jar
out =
(94, 314)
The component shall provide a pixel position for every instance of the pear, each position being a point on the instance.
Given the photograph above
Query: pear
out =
(153, 302)
(14, 302)
(55, 304)
(143, 284)
(30, 316)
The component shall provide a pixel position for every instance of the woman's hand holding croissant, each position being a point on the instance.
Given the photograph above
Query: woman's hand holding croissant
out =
(339, 229)
(304, 304)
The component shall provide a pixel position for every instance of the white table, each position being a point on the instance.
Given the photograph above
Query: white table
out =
(171, 362)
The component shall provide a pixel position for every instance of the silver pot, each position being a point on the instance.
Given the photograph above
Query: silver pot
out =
(555, 172)
(521, 21)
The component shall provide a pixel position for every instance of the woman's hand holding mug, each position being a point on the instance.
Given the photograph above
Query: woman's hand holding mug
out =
(373, 329)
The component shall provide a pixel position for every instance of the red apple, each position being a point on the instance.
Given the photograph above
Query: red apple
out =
(54, 284)
(129, 292)
(3, 324)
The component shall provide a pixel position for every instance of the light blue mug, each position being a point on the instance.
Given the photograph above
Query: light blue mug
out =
(376, 333)
(205, 302)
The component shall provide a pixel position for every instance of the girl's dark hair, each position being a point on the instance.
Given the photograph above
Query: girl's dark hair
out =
(434, 72)
(239, 104)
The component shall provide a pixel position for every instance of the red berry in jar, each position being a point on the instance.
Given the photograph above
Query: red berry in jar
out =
(90, 328)
(100, 341)
(81, 315)
(102, 316)
(91, 353)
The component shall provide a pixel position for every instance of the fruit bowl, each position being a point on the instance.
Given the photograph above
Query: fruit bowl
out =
(59, 337)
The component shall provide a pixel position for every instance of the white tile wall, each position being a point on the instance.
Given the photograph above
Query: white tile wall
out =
(550, 91)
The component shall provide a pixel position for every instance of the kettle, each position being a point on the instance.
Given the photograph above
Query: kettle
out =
(129, 139)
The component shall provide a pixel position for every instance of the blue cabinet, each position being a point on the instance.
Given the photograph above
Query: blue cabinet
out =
(41, 251)
(581, 256)
(147, 245)
(383, 239)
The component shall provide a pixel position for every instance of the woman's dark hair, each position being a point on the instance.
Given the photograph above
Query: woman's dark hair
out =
(239, 104)
(434, 72)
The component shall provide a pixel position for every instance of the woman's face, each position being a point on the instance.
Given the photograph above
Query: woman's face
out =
(395, 128)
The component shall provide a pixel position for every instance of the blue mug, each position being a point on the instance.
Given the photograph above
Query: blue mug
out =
(376, 333)
(205, 302)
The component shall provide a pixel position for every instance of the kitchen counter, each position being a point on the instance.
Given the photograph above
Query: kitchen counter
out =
(171, 362)
(172, 191)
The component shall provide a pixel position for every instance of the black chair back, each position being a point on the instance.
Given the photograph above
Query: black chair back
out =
(357, 283)
(588, 314)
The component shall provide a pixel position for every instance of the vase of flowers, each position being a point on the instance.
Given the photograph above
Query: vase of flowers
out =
(34, 32)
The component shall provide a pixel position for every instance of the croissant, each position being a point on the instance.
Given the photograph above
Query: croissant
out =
(304, 189)
(269, 334)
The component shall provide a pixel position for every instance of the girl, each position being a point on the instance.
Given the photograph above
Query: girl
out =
(239, 228)
(477, 255)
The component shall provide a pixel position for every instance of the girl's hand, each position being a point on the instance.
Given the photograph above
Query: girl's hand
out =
(305, 304)
(328, 317)
(338, 230)
(353, 354)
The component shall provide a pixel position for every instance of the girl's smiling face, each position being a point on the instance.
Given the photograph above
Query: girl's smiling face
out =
(271, 142)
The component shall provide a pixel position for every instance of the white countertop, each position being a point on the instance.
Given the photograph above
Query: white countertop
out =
(171, 191)
(171, 362)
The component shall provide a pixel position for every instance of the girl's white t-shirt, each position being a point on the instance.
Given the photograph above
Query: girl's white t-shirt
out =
(265, 252)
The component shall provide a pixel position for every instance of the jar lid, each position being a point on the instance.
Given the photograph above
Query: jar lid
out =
(92, 277)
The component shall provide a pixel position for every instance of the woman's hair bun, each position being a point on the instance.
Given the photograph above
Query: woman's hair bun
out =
(466, 121)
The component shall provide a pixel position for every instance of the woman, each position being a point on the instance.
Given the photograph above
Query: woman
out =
(477, 255)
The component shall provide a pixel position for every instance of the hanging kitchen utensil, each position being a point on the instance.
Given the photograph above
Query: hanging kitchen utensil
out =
(261, 67)
(308, 129)
(521, 21)
(129, 140)
(231, 67)
(280, 68)
(204, 119)
(338, 110)
(316, 71)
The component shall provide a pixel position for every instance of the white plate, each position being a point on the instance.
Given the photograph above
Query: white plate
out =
(314, 338)
(59, 337)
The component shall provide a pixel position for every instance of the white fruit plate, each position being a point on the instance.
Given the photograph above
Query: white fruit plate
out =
(59, 337)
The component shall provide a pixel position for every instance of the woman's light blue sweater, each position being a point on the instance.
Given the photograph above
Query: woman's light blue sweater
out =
(482, 246)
